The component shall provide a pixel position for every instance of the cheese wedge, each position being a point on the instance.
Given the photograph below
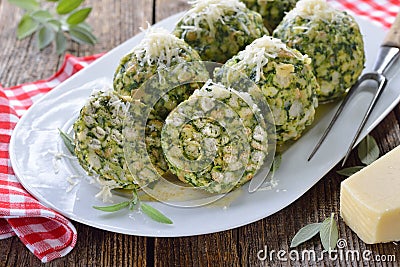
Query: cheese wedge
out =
(370, 200)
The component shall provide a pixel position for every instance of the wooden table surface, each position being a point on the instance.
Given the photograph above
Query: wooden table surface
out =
(114, 22)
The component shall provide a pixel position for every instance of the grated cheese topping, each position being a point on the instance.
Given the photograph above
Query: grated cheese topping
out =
(257, 54)
(314, 9)
(116, 101)
(106, 186)
(159, 47)
(210, 11)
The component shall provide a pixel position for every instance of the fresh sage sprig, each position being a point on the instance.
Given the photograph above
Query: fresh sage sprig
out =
(367, 151)
(328, 232)
(133, 203)
(116, 207)
(59, 21)
(154, 214)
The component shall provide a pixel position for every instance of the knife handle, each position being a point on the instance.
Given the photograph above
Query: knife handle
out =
(393, 36)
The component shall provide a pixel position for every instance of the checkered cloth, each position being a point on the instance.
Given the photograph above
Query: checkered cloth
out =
(46, 233)
(381, 12)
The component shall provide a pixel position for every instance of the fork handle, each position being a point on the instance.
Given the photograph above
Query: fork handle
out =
(393, 36)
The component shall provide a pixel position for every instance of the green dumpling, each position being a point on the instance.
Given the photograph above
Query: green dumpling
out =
(272, 11)
(332, 39)
(285, 78)
(219, 29)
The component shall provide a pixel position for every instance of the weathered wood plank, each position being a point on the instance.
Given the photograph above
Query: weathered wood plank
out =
(219, 249)
(166, 8)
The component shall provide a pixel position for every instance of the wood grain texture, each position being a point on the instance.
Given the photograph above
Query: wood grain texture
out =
(166, 8)
(115, 22)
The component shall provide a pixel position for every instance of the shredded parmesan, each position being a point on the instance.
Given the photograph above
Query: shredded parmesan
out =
(106, 186)
(210, 11)
(72, 182)
(160, 48)
(314, 9)
(257, 54)
(57, 156)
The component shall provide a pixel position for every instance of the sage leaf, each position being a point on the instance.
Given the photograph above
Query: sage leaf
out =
(67, 6)
(154, 214)
(349, 171)
(82, 35)
(48, 23)
(113, 208)
(44, 37)
(305, 233)
(54, 24)
(68, 141)
(368, 150)
(85, 26)
(26, 27)
(329, 233)
(61, 42)
(28, 5)
(79, 16)
(41, 16)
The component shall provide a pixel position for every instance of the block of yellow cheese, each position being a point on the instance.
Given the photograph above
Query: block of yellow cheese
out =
(370, 200)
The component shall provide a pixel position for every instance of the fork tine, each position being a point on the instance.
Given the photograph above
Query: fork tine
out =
(335, 117)
(382, 83)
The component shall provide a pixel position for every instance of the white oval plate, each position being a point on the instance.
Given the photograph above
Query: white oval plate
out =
(36, 134)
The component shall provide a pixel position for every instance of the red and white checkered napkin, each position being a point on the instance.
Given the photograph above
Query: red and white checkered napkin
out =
(45, 233)
(382, 12)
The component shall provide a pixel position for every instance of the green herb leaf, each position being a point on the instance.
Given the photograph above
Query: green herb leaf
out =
(26, 27)
(68, 141)
(44, 37)
(54, 24)
(113, 208)
(49, 24)
(67, 6)
(349, 171)
(61, 45)
(154, 214)
(41, 16)
(85, 26)
(368, 150)
(305, 233)
(82, 35)
(79, 16)
(28, 5)
(329, 233)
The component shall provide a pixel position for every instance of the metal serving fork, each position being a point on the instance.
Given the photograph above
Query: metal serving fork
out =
(388, 53)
